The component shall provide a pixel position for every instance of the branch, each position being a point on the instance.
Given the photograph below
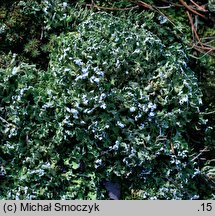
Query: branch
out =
(171, 3)
(202, 151)
(190, 9)
(199, 7)
(147, 6)
(205, 48)
(193, 28)
(209, 113)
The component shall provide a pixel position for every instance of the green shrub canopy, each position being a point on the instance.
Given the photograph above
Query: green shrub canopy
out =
(113, 106)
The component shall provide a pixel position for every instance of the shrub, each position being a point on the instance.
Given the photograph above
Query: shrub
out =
(113, 106)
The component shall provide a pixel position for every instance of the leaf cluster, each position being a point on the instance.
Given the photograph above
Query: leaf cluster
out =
(113, 105)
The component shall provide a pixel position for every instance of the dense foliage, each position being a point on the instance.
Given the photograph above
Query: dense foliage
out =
(115, 103)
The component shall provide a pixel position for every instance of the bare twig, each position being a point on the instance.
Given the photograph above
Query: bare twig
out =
(172, 147)
(171, 3)
(192, 10)
(199, 49)
(147, 6)
(205, 48)
(199, 7)
(208, 40)
(164, 7)
(202, 151)
(161, 138)
(193, 28)
(42, 33)
(209, 113)
(207, 53)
